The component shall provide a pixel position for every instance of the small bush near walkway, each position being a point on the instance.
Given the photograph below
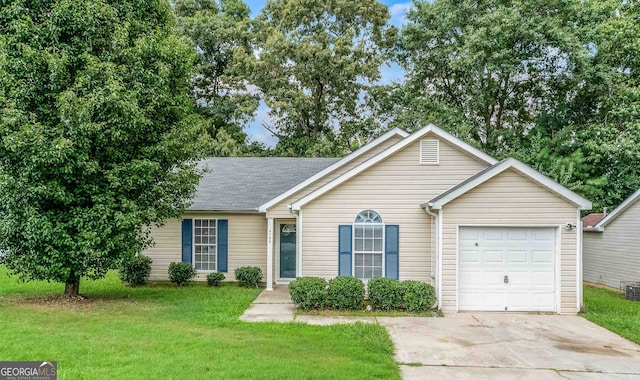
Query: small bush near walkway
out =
(417, 296)
(384, 293)
(135, 271)
(249, 277)
(309, 292)
(215, 279)
(346, 293)
(181, 273)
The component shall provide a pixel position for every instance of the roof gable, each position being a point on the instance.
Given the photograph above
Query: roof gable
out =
(635, 197)
(438, 132)
(492, 171)
(337, 165)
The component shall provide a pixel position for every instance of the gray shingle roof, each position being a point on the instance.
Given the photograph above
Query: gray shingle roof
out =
(245, 183)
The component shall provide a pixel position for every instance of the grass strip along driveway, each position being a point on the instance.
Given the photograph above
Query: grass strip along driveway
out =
(161, 331)
(610, 310)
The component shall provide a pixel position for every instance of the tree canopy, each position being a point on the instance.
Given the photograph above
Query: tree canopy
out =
(97, 133)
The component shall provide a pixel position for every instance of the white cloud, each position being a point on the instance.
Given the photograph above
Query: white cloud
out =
(399, 13)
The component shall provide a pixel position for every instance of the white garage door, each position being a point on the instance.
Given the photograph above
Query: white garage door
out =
(506, 269)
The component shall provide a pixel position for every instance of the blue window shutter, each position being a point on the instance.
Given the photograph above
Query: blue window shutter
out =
(187, 240)
(344, 250)
(223, 245)
(391, 250)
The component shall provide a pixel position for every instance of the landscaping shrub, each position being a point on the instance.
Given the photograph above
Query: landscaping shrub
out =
(384, 293)
(249, 277)
(135, 271)
(215, 278)
(181, 273)
(309, 292)
(417, 296)
(346, 293)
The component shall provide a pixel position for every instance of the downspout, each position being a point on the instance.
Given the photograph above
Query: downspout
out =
(436, 217)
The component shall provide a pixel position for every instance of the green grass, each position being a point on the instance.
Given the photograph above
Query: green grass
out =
(610, 310)
(161, 331)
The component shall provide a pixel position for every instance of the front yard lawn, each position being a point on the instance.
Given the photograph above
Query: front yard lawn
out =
(610, 310)
(161, 331)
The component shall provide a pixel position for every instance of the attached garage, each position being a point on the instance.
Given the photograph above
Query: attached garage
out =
(507, 268)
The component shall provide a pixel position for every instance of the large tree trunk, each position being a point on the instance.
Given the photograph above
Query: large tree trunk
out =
(72, 287)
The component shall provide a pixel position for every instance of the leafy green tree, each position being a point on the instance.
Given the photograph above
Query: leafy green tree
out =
(96, 137)
(485, 70)
(315, 63)
(220, 32)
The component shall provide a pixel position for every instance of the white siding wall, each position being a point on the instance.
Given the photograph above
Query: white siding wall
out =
(510, 199)
(395, 188)
(281, 209)
(247, 244)
(614, 255)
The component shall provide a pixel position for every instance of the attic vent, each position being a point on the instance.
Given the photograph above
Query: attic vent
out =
(429, 152)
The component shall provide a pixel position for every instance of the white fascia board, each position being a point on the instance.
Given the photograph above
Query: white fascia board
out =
(541, 179)
(618, 210)
(364, 149)
(392, 150)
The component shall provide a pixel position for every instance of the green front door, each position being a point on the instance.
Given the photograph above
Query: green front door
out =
(287, 251)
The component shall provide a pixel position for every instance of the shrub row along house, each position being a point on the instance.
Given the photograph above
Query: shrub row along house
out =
(488, 235)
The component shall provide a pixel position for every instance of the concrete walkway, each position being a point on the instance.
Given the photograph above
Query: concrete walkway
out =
(276, 306)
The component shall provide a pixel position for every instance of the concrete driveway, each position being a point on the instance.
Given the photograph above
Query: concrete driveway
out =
(510, 346)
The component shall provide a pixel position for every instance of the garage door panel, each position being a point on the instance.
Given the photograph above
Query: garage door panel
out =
(493, 256)
(470, 256)
(525, 255)
(517, 256)
(542, 257)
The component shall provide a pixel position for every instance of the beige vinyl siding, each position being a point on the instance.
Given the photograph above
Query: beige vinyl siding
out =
(247, 244)
(510, 199)
(395, 188)
(281, 209)
(614, 255)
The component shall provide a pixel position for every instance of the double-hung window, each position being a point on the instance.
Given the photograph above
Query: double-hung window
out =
(205, 248)
(368, 245)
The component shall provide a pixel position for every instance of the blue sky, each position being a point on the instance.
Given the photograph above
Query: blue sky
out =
(397, 9)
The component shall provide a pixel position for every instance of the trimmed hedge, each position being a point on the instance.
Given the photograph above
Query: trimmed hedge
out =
(384, 293)
(346, 293)
(215, 279)
(309, 292)
(249, 277)
(417, 296)
(181, 273)
(135, 271)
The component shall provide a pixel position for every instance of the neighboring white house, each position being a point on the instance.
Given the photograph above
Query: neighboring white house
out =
(612, 246)
(489, 235)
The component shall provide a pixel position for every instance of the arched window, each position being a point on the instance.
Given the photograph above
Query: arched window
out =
(368, 245)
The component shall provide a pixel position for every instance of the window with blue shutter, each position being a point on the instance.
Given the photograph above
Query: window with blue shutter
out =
(392, 250)
(223, 245)
(344, 250)
(187, 240)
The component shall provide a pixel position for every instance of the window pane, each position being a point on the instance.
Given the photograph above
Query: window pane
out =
(377, 260)
(359, 245)
(212, 231)
(359, 259)
(377, 272)
(368, 232)
(377, 245)
(368, 273)
(368, 245)
(368, 260)
(212, 240)
(377, 231)
(197, 223)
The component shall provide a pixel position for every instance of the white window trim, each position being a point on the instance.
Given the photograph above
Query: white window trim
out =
(193, 246)
(353, 245)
